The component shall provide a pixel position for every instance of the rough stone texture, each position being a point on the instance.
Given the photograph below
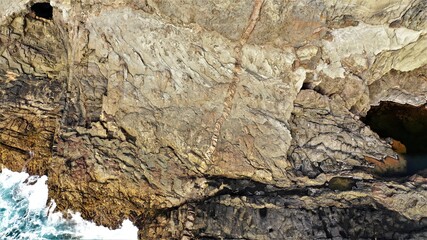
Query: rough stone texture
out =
(328, 138)
(216, 119)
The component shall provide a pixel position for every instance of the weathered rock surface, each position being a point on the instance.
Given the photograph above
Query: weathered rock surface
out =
(216, 119)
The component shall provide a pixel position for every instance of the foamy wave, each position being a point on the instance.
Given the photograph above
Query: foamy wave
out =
(25, 215)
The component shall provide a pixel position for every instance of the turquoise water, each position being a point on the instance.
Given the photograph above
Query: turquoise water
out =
(25, 214)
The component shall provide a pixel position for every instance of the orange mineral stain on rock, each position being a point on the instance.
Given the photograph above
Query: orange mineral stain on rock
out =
(389, 165)
(398, 146)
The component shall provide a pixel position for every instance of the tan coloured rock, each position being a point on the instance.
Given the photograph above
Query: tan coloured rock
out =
(215, 118)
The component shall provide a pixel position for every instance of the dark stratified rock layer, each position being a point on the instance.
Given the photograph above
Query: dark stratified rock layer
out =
(216, 119)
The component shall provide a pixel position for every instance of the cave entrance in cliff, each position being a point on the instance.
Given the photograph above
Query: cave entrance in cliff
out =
(43, 10)
(406, 127)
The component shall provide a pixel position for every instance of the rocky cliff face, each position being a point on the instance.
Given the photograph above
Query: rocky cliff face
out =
(216, 119)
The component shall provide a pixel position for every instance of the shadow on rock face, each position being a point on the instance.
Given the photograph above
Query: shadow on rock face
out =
(43, 10)
(406, 125)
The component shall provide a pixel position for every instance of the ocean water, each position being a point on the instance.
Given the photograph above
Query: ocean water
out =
(25, 213)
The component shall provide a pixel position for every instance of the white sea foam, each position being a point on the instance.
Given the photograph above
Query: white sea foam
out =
(25, 215)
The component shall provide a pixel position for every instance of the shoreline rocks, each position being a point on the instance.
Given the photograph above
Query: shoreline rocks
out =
(179, 116)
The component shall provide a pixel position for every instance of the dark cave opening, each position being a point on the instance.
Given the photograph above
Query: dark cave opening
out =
(43, 10)
(404, 124)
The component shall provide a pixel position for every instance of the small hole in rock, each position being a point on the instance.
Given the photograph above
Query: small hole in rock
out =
(306, 86)
(405, 126)
(263, 212)
(43, 10)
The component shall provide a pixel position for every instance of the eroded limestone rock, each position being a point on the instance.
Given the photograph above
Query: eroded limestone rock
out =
(181, 115)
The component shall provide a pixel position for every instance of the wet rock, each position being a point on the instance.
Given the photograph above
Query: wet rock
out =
(270, 218)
